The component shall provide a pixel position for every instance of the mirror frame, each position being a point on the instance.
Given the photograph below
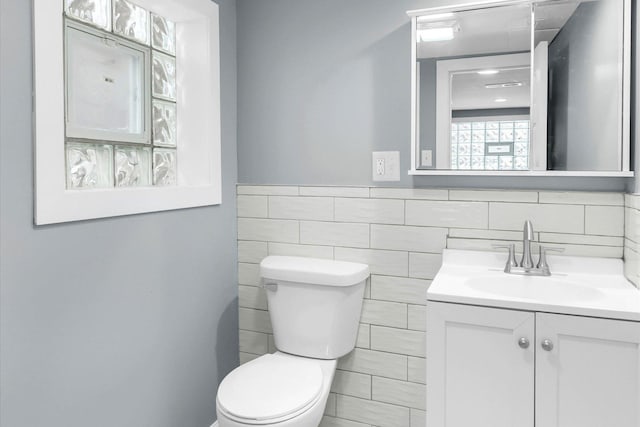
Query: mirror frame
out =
(625, 126)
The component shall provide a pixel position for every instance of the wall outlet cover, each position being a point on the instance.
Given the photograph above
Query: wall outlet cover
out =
(427, 158)
(385, 166)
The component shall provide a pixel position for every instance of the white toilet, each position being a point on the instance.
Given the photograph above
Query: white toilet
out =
(314, 305)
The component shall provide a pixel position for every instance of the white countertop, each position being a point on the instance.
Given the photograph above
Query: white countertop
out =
(581, 286)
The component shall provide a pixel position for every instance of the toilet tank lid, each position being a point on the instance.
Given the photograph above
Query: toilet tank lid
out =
(313, 270)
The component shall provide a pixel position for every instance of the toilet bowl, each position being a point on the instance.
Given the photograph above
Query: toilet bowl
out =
(314, 307)
(279, 390)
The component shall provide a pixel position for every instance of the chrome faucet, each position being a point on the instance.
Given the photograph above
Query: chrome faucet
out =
(527, 237)
(527, 266)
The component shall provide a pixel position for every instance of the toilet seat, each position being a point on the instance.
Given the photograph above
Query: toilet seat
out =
(272, 388)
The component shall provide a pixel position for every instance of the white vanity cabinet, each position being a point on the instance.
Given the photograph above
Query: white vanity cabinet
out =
(495, 367)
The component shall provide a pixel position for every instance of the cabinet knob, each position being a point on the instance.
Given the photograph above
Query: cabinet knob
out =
(523, 342)
(547, 345)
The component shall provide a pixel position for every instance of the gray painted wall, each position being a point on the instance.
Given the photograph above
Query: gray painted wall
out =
(128, 321)
(427, 105)
(322, 84)
(583, 80)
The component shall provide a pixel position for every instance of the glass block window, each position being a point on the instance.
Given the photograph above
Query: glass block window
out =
(121, 96)
(477, 144)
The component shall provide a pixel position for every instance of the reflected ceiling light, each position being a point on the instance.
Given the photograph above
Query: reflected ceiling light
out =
(500, 100)
(436, 34)
(503, 85)
(488, 72)
(436, 17)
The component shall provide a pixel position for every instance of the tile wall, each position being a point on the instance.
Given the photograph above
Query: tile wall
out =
(632, 238)
(401, 233)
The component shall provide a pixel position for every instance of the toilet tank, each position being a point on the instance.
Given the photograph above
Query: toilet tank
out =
(314, 304)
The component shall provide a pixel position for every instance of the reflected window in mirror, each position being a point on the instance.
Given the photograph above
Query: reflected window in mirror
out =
(501, 143)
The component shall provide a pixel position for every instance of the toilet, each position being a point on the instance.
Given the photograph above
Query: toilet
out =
(314, 306)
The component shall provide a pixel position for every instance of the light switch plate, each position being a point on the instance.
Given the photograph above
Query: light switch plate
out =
(385, 166)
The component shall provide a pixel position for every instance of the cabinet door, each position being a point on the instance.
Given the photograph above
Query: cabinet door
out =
(477, 373)
(590, 377)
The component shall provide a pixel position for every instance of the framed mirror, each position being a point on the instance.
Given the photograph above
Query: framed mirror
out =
(521, 87)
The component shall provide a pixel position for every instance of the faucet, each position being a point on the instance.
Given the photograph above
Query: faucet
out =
(527, 266)
(527, 237)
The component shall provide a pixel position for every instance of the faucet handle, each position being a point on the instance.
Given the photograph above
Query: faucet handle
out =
(511, 260)
(542, 261)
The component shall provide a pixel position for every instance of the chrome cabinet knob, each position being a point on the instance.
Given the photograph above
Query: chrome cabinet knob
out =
(547, 345)
(523, 342)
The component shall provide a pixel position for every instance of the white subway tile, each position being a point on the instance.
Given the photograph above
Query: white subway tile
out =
(482, 245)
(268, 190)
(377, 363)
(408, 238)
(417, 369)
(409, 193)
(371, 412)
(632, 224)
(397, 392)
(254, 320)
(298, 207)
(384, 313)
(604, 220)
(447, 214)
(334, 233)
(399, 289)
(253, 342)
(632, 201)
(380, 211)
(328, 421)
(272, 344)
(494, 195)
(417, 317)
(545, 217)
(268, 230)
(252, 297)
(401, 341)
(249, 251)
(486, 234)
(418, 418)
(424, 266)
(584, 250)
(392, 263)
(335, 191)
(352, 384)
(581, 198)
(248, 274)
(292, 249)
(330, 407)
(580, 239)
(252, 206)
(632, 266)
(364, 337)
(247, 357)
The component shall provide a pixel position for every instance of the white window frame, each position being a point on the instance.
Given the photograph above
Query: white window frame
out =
(444, 71)
(98, 135)
(199, 175)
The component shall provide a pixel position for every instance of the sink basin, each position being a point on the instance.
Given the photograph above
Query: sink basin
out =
(578, 285)
(532, 288)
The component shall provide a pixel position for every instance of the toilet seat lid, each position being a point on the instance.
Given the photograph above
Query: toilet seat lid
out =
(271, 386)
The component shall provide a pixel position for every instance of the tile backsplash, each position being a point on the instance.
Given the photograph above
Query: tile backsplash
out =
(401, 233)
(632, 238)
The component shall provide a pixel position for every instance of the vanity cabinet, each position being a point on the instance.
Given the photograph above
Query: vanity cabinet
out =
(491, 367)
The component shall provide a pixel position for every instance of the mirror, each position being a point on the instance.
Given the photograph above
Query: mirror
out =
(494, 94)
